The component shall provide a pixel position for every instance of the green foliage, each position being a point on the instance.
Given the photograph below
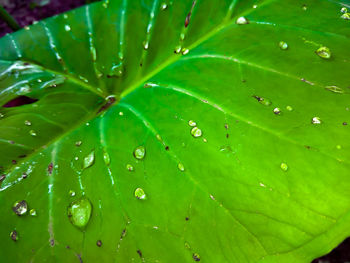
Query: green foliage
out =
(177, 131)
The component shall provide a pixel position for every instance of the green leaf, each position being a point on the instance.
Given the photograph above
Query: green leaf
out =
(185, 128)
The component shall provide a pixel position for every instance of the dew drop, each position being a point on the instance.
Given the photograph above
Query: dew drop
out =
(316, 120)
(277, 111)
(78, 143)
(145, 45)
(284, 167)
(32, 212)
(324, 52)
(335, 89)
(121, 113)
(14, 235)
(196, 132)
(196, 257)
(242, 21)
(289, 108)
(192, 123)
(304, 7)
(89, 160)
(182, 36)
(177, 49)
(181, 167)
(283, 45)
(164, 6)
(185, 51)
(2, 115)
(32, 133)
(343, 10)
(263, 101)
(140, 194)
(67, 28)
(106, 158)
(130, 167)
(20, 207)
(71, 193)
(28, 123)
(345, 16)
(79, 212)
(140, 152)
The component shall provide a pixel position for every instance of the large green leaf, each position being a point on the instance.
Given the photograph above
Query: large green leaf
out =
(265, 180)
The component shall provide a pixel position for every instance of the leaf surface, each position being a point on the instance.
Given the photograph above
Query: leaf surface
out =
(242, 146)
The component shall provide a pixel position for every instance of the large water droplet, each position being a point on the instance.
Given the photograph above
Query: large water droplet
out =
(185, 51)
(71, 193)
(196, 132)
(140, 152)
(89, 160)
(163, 6)
(316, 120)
(335, 89)
(177, 49)
(20, 208)
(284, 166)
(283, 45)
(140, 194)
(145, 45)
(343, 10)
(79, 212)
(242, 21)
(14, 235)
(324, 52)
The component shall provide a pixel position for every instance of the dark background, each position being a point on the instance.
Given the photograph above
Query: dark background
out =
(27, 11)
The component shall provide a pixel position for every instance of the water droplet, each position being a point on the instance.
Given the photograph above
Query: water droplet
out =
(106, 158)
(324, 52)
(71, 193)
(140, 152)
(89, 160)
(335, 89)
(117, 70)
(130, 167)
(304, 7)
(346, 16)
(20, 208)
(277, 111)
(255, 6)
(140, 194)
(32, 133)
(182, 36)
(28, 123)
(192, 123)
(196, 257)
(79, 212)
(78, 143)
(284, 166)
(283, 45)
(145, 45)
(316, 120)
(14, 235)
(242, 21)
(185, 51)
(164, 6)
(289, 108)
(177, 49)
(2, 115)
(263, 101)
(226, 149)
(67, 28)
(196, 132)
(344, 10)
(121, 113)
(99, 243)
(181, 167)
(32, 212)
